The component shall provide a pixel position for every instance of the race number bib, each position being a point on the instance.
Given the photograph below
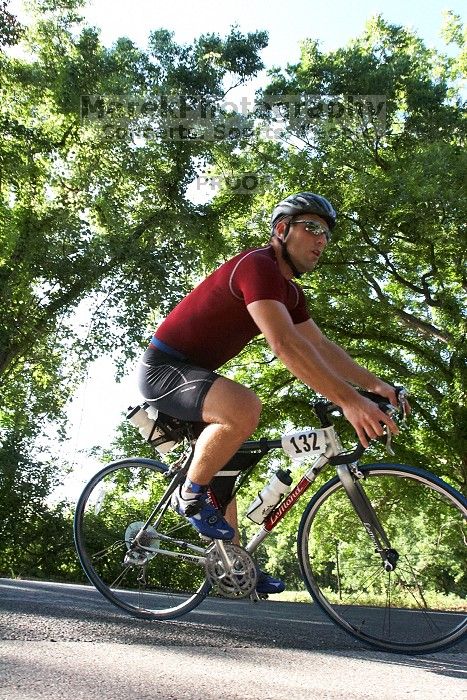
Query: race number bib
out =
(305, 443)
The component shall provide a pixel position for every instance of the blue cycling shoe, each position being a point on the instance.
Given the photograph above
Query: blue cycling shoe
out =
(202, 515)
(268, 584)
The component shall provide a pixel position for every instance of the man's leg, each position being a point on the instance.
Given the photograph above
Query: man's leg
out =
(231, 412)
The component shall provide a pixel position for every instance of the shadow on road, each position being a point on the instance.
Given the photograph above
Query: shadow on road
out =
(32, 610)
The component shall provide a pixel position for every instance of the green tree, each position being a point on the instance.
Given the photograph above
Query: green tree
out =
(10, 28)
(97, 209)
(378, 127)
(94, 217)
(390, 288)
(36, 536)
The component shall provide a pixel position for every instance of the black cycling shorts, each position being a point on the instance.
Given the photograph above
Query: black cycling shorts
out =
(174, 386)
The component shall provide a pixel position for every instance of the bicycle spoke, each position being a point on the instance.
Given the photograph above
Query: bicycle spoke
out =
(417, 606)
(119, 578)
(122, 553)
(357, 598)
(108, 550)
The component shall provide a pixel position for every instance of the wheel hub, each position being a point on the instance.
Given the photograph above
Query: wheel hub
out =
(137, 540)
(390, 558)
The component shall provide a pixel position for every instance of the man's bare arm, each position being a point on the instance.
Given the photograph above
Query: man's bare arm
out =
(306, 363)
(343, 364)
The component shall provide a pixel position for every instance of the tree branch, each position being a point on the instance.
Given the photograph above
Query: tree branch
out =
(65, 300)
(423, 326)
(396, 341)
(422, 291)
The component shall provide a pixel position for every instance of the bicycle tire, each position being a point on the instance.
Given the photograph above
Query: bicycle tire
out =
(109, 513)
(421, 606)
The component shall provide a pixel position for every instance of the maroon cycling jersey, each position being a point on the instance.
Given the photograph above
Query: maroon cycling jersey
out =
(212, 324)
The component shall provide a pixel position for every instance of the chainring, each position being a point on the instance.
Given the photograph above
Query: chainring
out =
(236, 581)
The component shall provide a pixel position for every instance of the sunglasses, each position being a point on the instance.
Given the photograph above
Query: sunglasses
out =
(314, 227)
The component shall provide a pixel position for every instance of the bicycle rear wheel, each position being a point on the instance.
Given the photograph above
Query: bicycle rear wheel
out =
(419, 607)
(161, 578)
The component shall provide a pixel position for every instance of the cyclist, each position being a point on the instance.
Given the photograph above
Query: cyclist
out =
(250, 294)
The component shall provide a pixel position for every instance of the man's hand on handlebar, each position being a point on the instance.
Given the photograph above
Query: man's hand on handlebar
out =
(387, 391)
(368, 419)
(396, 396)
(370, 414)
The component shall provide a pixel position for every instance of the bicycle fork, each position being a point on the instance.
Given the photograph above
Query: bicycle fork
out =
(367, 515)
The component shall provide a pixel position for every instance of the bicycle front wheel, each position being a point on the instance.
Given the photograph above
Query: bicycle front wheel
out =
(156, 572)
(420, 606)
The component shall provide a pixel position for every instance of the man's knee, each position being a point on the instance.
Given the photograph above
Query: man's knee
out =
(247, 414)
(233, 405)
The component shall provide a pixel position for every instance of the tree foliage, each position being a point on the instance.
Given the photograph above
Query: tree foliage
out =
(94, 213)
(99, 210)
(36, 535)
(391, 286)
(95, 216)
(10, 28)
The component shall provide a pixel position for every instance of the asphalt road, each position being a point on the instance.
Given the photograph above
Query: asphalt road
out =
(65, 641)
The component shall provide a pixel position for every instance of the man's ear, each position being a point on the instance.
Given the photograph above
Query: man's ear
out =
(280, 229)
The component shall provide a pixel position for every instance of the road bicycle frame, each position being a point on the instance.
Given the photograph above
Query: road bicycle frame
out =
(348, 474)
(333, 448)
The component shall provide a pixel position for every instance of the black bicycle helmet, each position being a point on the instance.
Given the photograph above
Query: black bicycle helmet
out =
(304, 202)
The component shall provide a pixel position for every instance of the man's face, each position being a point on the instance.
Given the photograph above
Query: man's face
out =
(304, 247)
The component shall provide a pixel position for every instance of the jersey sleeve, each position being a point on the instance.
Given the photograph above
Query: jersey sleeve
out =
(257, 277)
(300, 313)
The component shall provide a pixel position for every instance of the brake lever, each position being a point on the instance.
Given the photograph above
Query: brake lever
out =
(401, 398)
(388, 446)
(402, 411)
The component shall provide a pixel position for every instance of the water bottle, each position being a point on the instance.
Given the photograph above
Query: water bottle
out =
(270, 496)
(144, 418)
